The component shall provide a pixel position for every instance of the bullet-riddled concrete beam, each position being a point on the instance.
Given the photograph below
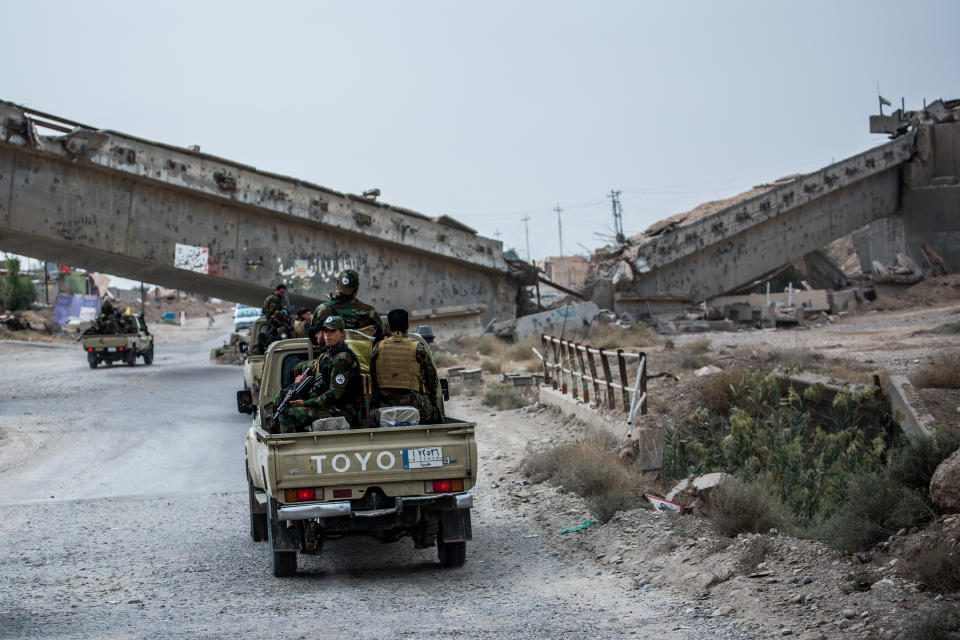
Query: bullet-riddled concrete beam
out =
(176, 217)
(723, 251)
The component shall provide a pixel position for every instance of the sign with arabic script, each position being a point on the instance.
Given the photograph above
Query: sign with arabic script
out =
(192, 258)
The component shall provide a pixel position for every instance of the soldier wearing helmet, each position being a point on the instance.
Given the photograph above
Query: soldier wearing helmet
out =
(356, 314)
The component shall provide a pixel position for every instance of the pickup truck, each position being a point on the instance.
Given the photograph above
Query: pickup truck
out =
(119, 347)
(252, 368)
(385, 482)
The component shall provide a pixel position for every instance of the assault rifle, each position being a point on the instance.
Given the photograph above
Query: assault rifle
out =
(295, 393)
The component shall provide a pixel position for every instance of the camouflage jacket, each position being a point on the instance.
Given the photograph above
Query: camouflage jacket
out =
(340, 386)
(426, 400)
(271, 305)
(355, 314)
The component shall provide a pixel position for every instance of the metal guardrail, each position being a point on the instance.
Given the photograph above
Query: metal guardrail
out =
(572, 367)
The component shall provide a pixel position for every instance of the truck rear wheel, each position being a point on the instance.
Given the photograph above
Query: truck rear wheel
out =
(283, 563)
(131, 358)
(148, 355)
(92, 361)
(258, 515)
(452, 554)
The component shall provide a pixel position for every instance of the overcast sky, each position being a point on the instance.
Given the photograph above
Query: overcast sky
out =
(491, 111)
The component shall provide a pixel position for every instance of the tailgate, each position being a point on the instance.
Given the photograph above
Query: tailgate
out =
(100, 342)
(368, 457)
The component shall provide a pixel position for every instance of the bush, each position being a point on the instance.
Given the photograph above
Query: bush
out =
(700, 345)
(795, 358)
(591, 470)
(746, 507)
(504, 396)
(488, 346)
(935, 624)
(717, 392)
(772, 434)
(942, 372)
(492, 365)
(937, 567)
(442, 359)
(913, 465)
(876, 507)
(16, 291)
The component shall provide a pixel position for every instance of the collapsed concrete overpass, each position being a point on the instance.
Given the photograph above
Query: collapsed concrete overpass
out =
(110, 202)
(899, 195)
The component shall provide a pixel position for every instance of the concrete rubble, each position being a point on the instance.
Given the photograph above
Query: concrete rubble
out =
(945, 484)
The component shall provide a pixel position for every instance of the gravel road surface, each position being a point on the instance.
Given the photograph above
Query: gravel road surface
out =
(123, 515)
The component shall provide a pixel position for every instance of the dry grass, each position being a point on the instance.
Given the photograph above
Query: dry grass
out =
(503, 397)
(939, 623)
(698, 346)
(802, 358)
(942, 372)
(492, 365)
(717, 392)
(590, 469)
(612, 336)
(755, 552)
(746, 507)
(937, 566)
(442, 359)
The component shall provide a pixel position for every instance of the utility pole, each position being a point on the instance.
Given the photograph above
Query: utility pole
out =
(563, 279)
(617, 215)
(497, 233)
(526, 234)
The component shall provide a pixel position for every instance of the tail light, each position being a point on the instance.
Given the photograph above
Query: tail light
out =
(119, 348)
(443, 486)
(89, 348)
(302, 495)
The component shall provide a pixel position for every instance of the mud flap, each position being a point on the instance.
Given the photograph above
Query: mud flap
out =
(455, 525)
(282, 537)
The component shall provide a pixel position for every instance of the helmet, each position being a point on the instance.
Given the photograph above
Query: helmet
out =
(332, 323)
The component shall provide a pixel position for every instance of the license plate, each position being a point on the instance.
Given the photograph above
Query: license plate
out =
(423, 458)
(111, 348)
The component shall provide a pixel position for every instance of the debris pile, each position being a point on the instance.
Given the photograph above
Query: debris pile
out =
(229, 352)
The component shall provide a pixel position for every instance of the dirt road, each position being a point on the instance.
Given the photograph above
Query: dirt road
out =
(123, 514)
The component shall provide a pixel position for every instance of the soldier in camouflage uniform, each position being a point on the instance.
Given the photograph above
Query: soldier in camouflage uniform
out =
(278, 320)
(340, 388)
(302, 324)
(403, 373)
(356, 315)
(107, 322)
(274, 301)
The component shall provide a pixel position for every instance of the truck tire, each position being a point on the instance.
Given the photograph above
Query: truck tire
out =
(148, 355)
(452, 554)
(130, 358)
(283, 563)
(92, 361)
(258, 516)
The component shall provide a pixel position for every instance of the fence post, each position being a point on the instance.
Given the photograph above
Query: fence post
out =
(546, 368)
(605, 363)
(643, 383)
(622, 364)
(578, 349)
(593, 375)
(571, 358)
(558, 363)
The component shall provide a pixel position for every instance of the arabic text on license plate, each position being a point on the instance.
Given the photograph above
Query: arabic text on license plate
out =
(111, 348)
(423, 458)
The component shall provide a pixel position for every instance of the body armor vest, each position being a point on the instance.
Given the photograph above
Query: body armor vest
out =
(354, 393)
(397, 365)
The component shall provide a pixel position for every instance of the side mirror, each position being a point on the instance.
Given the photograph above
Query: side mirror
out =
(242, 346)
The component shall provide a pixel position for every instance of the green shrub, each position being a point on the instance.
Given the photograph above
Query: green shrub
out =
(746, 507)
(913, 465)
(16, 291)
(772, 434)
(504, 396)
(875, 508)
(590, 469)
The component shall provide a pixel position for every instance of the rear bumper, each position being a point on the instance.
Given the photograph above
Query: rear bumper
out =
(340, 513)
